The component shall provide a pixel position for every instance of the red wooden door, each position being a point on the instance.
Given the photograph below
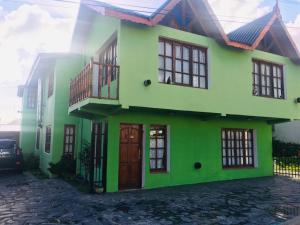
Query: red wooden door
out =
(130, 156)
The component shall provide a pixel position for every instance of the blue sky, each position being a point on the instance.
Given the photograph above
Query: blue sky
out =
(31, 26)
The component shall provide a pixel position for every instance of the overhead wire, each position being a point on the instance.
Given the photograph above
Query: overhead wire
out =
(142, 10)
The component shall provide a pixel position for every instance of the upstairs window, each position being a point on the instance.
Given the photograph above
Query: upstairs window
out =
(268, 80)
(109, 57)
(50, 85)
(48, 139)
(69, 140)
(158, 148)
(237, 148)
(32, 97)
(182, 64)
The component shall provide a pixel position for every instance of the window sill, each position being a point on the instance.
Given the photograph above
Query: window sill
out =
(183, 85)
(239, 167)
(159, 172)
(269, 97)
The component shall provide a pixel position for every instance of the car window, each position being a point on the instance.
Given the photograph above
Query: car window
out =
(7, 144)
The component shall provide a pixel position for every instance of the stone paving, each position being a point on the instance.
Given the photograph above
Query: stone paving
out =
(25, 199)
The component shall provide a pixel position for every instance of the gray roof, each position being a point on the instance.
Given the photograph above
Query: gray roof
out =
(249, 33)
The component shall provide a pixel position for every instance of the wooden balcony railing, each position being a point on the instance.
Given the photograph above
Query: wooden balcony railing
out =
(96, 80)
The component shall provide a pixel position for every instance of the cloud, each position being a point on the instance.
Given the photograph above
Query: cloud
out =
(233, 13)
(293, 28)
(25, 32)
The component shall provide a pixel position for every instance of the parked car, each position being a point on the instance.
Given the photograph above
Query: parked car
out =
(11, 157)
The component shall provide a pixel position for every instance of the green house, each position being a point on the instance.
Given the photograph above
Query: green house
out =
(163, 99)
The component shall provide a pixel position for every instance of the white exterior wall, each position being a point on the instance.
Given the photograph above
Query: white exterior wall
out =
(288, 132)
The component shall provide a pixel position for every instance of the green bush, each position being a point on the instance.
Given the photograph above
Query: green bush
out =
(85, 159)
(31, 162)
(285, 149)
(65, 168)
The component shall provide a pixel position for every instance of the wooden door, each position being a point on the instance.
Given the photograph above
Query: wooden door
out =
(130, 156)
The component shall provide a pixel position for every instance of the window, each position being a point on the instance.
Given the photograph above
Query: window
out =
(31, 97)
(48, 139)
(182, 64)
(69, 140)
(267, 80)
(109, 57)
(50, 85)
(38, 135)
(158, 148)
(237, 148)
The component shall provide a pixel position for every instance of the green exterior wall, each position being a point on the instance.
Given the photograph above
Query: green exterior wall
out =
(191, 140)
(28, 125)
(230, 77)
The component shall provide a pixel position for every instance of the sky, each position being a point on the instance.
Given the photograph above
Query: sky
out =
(28, 27)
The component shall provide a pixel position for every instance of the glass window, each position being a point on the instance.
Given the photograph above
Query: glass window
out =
(69, 140)
(182, 64)
(267, 79)
(237, 148)
(158, 148)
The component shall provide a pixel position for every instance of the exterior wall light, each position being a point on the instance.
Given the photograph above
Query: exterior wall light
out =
(147, 83)
(197, 165)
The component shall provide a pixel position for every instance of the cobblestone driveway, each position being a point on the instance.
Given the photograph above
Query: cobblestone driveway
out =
(25, 199)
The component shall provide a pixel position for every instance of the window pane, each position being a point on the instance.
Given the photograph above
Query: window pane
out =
(195, 68)
(161, 48)
(160, 164)
(161, 63)
(168, 49)
(202, 82)
(161, 76)
(195, 55)
(186, 53)
(160, 143)
(178, 52)
(202, 57)
(152, 164)
(202, 70)
(153, 143)
(168, 64)
(186, 67)
(186, 79)
(195, 81)
(168, 77)
(152, 153)
(160, 153)
(178, 66)
(178, 78)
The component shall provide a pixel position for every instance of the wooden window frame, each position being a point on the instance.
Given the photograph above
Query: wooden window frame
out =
(191, 62)
(276, 88)
(165, 150)
(70, 144)
(31, 97)
(108, 56)
(48, 139)
(237, 149)
(50, 85)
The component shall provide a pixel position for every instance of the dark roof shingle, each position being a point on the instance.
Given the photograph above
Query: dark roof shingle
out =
(248, 33)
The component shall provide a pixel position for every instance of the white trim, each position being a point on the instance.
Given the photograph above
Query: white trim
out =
(255, 152)
(284, 82)
(144, 156)
(208, 64)
(168, 149)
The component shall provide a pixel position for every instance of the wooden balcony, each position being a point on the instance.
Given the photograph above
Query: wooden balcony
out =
(96, 80)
